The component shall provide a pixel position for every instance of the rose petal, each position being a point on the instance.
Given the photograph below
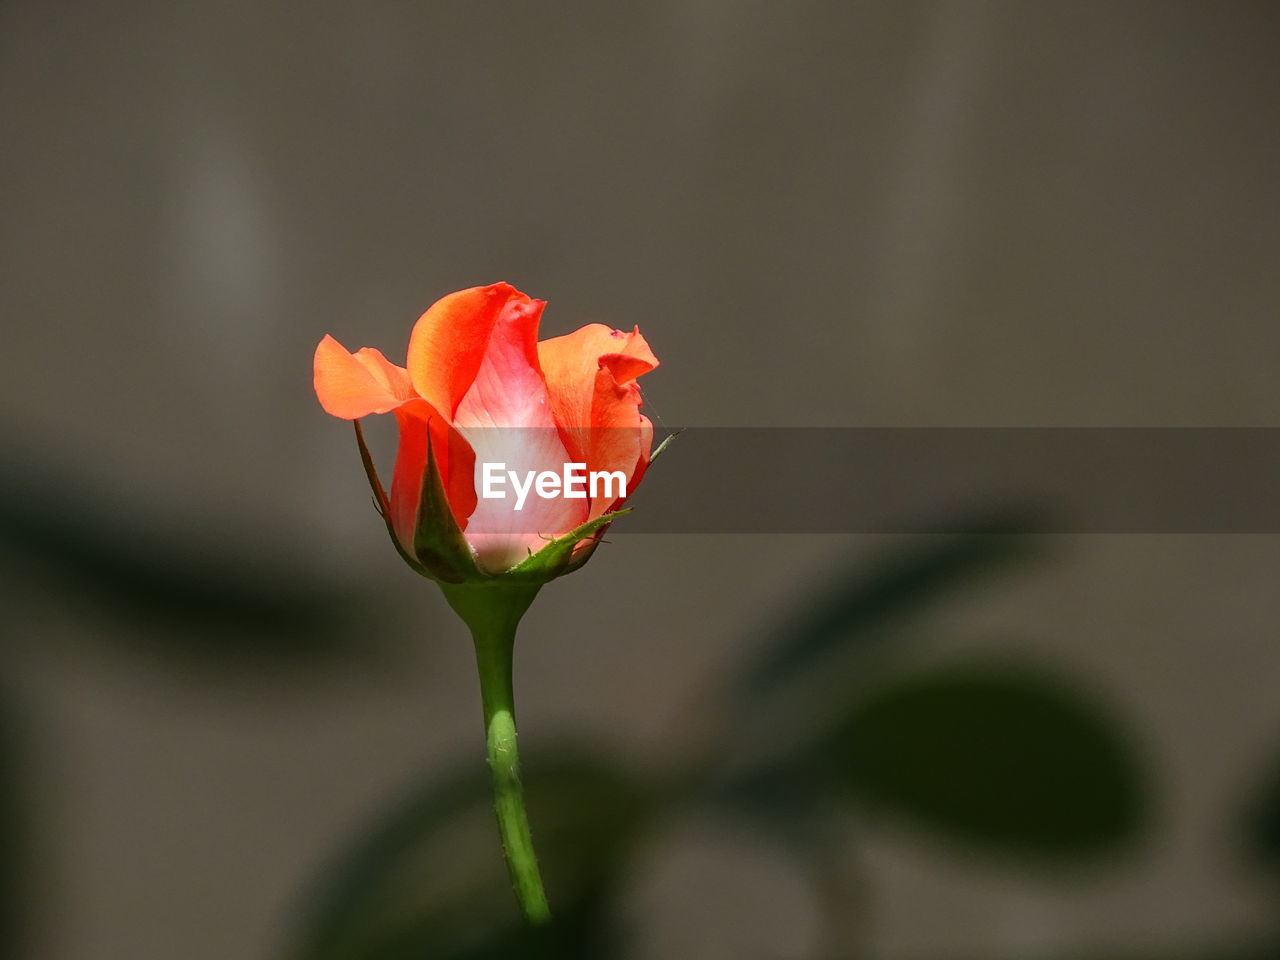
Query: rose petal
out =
(590, 375)
(506, 417)
(448, 342)
(353, 385)
(569, 364)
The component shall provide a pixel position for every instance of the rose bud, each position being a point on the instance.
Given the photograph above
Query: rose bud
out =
(479, 389)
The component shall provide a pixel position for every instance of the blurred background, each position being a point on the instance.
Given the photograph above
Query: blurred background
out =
(234, 725)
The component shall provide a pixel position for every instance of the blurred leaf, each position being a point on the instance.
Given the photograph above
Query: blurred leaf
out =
(122, 562)
(414, 888)
(862, 600)
(1263, 822)
(1002, 756)
(15, 875)
(1237, 949)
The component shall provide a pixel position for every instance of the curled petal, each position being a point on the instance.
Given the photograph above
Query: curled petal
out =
(591, 375)
(449, 341)
(570, 363)
(352, 385)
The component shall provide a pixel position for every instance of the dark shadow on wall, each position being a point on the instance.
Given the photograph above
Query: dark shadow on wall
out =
(993, 757)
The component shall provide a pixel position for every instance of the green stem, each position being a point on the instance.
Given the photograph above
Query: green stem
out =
(493, 610)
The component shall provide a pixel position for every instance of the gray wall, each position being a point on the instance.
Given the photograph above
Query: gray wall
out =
(818, 213)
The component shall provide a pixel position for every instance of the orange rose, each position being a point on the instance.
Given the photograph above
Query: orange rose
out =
(480, 390)
(475, 364)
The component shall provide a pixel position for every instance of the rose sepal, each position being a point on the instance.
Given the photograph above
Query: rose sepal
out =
(560, 555)
(381, 502)
(440, 551)
(438, 542)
